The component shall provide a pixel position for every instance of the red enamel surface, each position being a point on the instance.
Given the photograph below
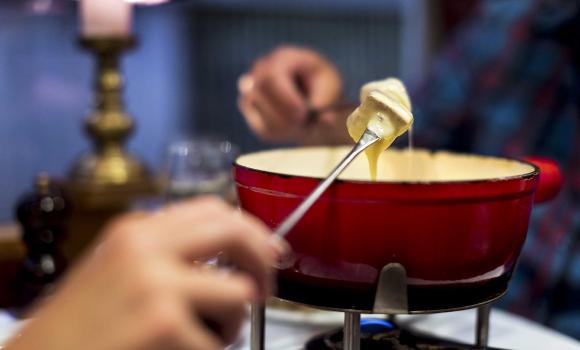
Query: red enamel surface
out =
(440, 232)
(551, 178)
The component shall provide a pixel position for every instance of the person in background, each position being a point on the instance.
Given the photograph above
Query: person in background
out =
(145, 287)
(506, 83)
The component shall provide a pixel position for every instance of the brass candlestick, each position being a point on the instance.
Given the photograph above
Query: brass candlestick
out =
(108, 180)
(109, 125)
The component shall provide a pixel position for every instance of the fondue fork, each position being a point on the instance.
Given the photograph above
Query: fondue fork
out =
(374, 105)
(368, 138)
(258, 310)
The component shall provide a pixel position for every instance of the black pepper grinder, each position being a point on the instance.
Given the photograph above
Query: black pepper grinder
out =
(43, 215)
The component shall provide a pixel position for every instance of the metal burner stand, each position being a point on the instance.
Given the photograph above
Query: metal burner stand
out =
(390, 299)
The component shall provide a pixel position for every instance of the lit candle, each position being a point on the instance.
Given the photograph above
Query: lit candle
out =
(105, 18)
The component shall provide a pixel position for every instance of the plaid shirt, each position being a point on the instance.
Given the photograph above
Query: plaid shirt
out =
(508, 84)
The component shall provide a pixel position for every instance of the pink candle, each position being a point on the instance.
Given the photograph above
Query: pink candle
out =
(105, 18)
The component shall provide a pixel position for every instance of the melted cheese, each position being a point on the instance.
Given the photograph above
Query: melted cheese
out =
(428, 166)
(385, 109)
(391, 87)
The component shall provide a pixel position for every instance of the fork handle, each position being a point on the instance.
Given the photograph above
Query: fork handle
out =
(367, 139)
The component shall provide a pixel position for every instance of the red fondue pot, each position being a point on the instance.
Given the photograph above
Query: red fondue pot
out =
(455, 223)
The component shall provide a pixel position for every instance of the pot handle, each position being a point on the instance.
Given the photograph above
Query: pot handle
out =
(550, 178)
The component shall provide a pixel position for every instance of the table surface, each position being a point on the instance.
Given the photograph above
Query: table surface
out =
(290, 330)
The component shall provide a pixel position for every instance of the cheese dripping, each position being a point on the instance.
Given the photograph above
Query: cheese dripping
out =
(385, 109)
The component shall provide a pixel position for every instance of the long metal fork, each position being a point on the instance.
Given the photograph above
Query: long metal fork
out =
(258, 314)
(367, 139)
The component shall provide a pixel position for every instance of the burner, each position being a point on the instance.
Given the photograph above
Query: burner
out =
(379, 334)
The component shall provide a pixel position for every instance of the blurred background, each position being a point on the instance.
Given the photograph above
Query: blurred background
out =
(181, 79)
(507, 85)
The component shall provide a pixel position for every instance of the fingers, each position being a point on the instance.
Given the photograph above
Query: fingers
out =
(325, 88)
(245, 250)
(220, 301)
(276, 78)
(267, 121)
(270, 101)
(253, 117)
(199, 338)
(201, 229)
(175, 326)
(277, 93)
(205, 227)
(277, 119)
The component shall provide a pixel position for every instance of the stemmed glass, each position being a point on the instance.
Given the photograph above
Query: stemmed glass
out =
(199, 166)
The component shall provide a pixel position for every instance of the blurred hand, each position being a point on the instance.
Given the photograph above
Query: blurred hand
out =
(277, 94)
(140, 288)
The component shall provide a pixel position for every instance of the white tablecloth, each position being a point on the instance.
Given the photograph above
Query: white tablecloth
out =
(290, 330)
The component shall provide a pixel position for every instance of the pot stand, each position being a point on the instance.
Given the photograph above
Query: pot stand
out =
(390, 299)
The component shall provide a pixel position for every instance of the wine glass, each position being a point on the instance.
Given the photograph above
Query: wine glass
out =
(199, 166)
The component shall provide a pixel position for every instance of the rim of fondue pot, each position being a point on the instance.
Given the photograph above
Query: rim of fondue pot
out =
(457, 236)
